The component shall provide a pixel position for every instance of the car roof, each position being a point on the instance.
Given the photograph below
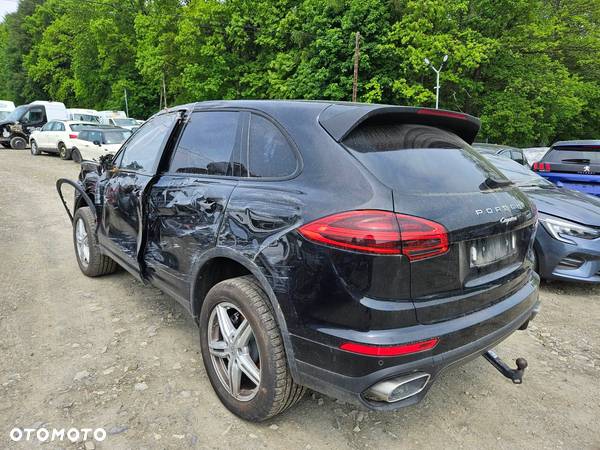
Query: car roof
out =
(340, 118)
(74, 122)
(106, 129)
(578, 143)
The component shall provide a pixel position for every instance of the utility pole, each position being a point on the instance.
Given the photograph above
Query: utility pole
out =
(437, 79)
(356, 58)
(164, 90)
(126, 105)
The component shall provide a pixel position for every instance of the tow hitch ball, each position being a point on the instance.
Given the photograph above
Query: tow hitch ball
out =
(516, 375)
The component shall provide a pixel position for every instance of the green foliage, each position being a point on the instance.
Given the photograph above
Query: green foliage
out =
(528, 68)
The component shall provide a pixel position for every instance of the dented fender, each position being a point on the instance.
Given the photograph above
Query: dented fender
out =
(78, 188)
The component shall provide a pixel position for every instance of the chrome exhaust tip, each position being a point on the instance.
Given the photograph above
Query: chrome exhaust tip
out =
(399, 388)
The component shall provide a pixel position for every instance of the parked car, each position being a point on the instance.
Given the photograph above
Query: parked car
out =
(516, 154)
(534, 154)
(572, 164)
(57, 136)
(355, 249)
(19, 124)
(84, 115)
(6, 107)
(118, 119)
(93, 143)
(567, 244)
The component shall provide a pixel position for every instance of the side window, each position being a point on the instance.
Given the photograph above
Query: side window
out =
(269, 154)
(207, 144)
(48, 126)
(95, 136)
(143, 150)
(517, 156)
(83, 135)
(59, 126)
(34, 115)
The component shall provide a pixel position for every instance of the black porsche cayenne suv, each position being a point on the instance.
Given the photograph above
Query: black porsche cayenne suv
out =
(353, 249)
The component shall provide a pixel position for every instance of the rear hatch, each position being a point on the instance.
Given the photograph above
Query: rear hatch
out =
(575, 166)
(436, 175)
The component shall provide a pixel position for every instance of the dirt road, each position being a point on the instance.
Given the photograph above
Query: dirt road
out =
(111, 353)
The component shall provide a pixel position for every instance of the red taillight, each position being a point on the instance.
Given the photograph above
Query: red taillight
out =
(73, 136)
(421, 238)
(541, 167)
(390, 350)
(365, 231)
(379, 232)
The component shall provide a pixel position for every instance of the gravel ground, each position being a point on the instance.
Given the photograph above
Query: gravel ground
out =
(112, 353)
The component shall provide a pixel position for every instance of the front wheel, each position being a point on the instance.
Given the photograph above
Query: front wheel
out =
(35, 150)
(91, 261)
(18, 143)
(243, 351)
(63, 151)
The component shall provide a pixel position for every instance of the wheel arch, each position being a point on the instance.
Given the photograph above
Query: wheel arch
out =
(203, 280)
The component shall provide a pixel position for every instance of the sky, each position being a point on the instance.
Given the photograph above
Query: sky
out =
(7, 6)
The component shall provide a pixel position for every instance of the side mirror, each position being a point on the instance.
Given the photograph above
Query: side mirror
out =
(97, 143)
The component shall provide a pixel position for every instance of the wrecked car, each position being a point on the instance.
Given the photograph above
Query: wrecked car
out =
(16, 128)
(357, 250)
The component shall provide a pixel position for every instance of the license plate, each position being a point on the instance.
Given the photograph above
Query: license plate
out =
(486, 251)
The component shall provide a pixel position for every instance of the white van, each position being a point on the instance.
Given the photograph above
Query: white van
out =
(18, 125)
(6, 107)
(84, 115)
(118, 119)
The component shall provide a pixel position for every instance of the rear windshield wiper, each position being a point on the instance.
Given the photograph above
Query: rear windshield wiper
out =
(494, 183)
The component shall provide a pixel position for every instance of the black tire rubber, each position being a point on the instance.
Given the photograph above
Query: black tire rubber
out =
(63, 151)
(18, 143)
(99, 264)
(277, 391)
(35, 150)
(76, 156)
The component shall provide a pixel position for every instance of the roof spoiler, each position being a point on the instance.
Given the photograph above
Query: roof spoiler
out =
(340, 119)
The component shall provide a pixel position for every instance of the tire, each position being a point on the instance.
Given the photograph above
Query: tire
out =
(242, 300)
(76, 156)
(92, 263)
(35, 150)
(18, 143)
(63, 151)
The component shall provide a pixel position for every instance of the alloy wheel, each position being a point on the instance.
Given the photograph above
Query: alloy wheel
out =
(233, 351)
(82, 242)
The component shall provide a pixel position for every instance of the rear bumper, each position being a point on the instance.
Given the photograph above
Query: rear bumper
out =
(551, 252)
(347, 376)
(589, 184)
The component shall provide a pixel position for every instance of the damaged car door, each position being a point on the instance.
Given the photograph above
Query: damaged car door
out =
(187, 202)
(120, 230)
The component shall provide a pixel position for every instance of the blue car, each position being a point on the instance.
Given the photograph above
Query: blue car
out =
(567, 241)
(572, 164)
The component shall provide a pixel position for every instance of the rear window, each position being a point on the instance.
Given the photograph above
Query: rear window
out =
(115, 137)
(81, 126)
(420, 159)
(573, 155)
